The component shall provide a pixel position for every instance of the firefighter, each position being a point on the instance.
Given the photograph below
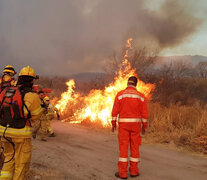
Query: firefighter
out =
(17, 141)
(51, 110)
(41, 96)
(41, 124)
(35, 88)
(130, 110)
(7, 79)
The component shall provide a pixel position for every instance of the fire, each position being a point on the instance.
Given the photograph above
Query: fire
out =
(98, 103)
(67, 97)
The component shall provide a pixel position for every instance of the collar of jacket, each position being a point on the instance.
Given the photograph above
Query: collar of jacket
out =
(131, 86)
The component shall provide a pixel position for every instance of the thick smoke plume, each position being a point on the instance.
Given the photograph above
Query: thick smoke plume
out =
(168, 27)
(67, 36)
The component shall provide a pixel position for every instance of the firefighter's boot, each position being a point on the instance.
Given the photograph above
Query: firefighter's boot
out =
(117, 175)
(52, 135)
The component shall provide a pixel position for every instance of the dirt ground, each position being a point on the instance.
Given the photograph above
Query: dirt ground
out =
(80, 153)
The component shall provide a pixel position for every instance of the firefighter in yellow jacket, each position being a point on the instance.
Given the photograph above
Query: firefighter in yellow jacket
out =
(7, 79)
(17, 141)
(50, 115)
(40, 125)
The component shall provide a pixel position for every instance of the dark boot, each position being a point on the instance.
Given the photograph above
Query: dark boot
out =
(134, 175)
(43, 139)
(117, 175)
(52, 135)
(34, 135)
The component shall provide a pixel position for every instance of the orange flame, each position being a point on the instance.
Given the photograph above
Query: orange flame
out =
(67, 97)
(98, 103)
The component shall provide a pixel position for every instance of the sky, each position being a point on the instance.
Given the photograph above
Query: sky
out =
(64, 37)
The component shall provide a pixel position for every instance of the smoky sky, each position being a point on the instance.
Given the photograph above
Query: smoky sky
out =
(63, 37)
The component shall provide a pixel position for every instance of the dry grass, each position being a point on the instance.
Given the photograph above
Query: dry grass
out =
(183, 125)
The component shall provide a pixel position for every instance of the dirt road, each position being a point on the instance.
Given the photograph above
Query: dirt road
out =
(79, 153)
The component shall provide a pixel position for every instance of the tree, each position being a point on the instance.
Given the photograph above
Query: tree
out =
(176, 69)
(140, 59)
(201, 69)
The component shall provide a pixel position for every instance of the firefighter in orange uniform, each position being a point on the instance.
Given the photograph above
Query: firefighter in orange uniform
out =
(16, 137)
(7, 79)
(130, 110)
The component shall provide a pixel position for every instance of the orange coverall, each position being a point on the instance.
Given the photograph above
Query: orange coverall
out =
(130, 109)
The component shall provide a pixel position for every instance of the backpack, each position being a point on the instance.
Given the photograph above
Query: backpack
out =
(4, 84)
(11, 108)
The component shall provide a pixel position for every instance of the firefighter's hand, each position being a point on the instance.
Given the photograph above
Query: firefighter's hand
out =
(44, 110)
(143, 130)
(113, 129)
(113, 123)
(34, 134)
(144, 127)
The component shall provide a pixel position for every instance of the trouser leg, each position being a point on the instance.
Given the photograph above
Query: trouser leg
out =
(43, 129)
(123, 148)
(1, 155)
(135, 141)
(36, 124)
(22, 158)
(49, 128)
(8, 168)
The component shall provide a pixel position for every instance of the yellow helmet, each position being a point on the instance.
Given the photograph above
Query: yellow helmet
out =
(28, 71)
(9, 69)
(46, 98)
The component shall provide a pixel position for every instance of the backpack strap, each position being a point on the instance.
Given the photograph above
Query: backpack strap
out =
(1, 84)
(22, 92)
(1, 104)
(29, 113)
(4, 97)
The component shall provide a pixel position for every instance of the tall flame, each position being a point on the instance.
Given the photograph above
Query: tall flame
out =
(67, 97)
(98, 103)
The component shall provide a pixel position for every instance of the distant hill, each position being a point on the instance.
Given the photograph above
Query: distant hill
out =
(191, 59)
(89, 76)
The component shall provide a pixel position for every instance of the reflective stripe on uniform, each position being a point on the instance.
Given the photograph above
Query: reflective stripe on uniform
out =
(123, 159)
(13, 82)
(36, 111)
(113, 118)
(6, 174)
(130, 96)
(12, 132)
(134, 159)
(130, 120)
(144, 120)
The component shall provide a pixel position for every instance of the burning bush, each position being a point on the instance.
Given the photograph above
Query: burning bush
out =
(97, 105)
(177, 110)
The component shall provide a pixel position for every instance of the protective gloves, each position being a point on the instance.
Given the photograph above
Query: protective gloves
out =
(113, 123)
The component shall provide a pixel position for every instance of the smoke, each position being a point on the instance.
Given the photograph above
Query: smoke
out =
(170, 26)
(67, 36)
